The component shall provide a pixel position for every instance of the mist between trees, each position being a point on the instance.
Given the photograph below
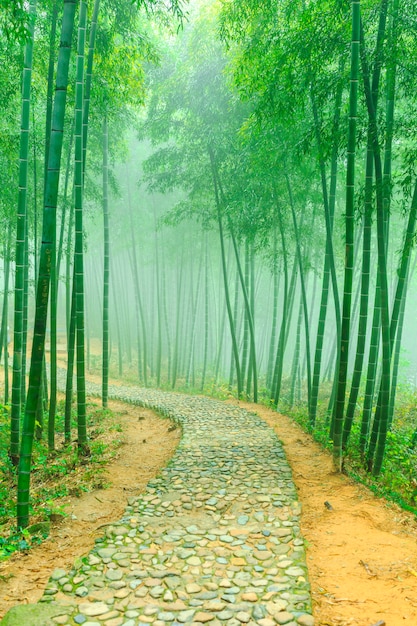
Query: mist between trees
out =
(217, 197)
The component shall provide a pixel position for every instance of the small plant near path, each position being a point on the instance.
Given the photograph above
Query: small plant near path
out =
(55, 476)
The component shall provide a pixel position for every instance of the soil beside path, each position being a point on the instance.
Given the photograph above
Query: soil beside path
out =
(362, 554)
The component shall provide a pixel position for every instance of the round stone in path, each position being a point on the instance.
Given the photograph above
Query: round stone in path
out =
(283, 617)
(92, 609)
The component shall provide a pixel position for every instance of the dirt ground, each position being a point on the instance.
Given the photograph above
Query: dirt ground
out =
(361, 553)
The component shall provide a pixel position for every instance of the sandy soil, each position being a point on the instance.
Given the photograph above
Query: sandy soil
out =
(361, 554)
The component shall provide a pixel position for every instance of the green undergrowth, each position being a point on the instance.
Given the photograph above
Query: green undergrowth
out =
(397, 481)
(55, 476)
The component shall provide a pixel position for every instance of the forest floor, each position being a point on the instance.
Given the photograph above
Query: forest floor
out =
(361, 553)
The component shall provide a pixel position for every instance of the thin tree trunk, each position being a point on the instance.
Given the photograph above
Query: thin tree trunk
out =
(225, 279)
(295, 368)
(279, 360)
(42, 294)
(273, 339)
(177, 324)
(79, 254)
(235, 317)
(383, 407)
(166, 320)
(194, 312)
(88, 80)
(159, 310)
(364, 301)
(21, 245)
(303, 292)
(106, 270)
(70, 365)
(5, 314)
(50, 84)
(329, 269)
(349, 239)
(206, 315)
(248, 313)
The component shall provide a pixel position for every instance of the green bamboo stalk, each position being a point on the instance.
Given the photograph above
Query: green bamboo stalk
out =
(364, 298)
(116, 304)
(165, 316)
(140, 314)
(48, 236)
(206, 314)
(349, 239)
(252, 356)
(329, 269)
(83, 448)
(303, 290)
(194, 311)
(106, 276)
(235, 317)
(225, 279)
(54, 278)
(381, 417)
(70, 364)
(175, 357)
(5, 313)
(248, 313)
(245, 340)
(88, 79)
(295, 369)
(50, 84)
(396, 359)
(386, 192)
(21, 244)
(158, 306)
(25, 319)
(273, 335)
(279, 360)
(248, 310)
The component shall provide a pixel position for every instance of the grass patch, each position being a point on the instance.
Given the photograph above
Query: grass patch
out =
(55, 476)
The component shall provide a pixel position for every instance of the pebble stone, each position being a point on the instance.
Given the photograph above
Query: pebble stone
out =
(215, 538)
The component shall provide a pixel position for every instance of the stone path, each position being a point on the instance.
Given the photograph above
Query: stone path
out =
(215, 538)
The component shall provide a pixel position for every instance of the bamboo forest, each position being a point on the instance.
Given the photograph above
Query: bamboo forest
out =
(215, 198)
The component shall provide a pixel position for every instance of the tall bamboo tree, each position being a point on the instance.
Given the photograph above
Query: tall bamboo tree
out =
(48, 237)
(21, 243)
(106, 277)
(79, 254)
(349, 237)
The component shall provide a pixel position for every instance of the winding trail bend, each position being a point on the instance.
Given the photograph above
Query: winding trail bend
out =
(214, 539)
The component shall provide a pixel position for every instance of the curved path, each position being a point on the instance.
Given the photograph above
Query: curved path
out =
(214, 539)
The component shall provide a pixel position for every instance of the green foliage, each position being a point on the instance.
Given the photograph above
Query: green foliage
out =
(14, 20)
(398, 479)
(54, 476)
(19, 542)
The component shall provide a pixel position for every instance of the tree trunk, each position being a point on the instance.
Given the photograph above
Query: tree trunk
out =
(225, 279)
(349, 239)
(106, 271)
(21, 245)
(48, 237)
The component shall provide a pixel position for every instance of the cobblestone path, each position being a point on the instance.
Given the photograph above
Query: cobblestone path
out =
(214, 539)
